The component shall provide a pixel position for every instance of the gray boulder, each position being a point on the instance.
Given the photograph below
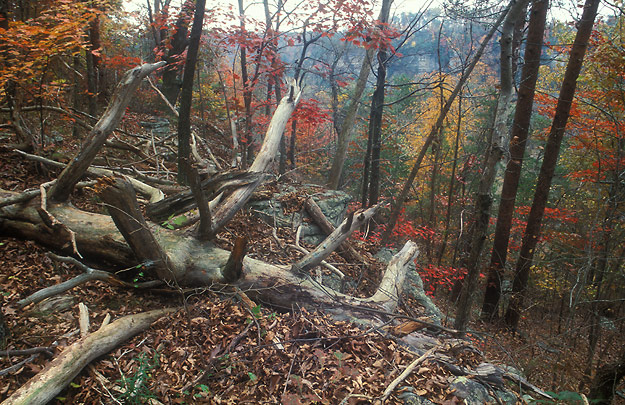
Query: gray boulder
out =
(333, 204)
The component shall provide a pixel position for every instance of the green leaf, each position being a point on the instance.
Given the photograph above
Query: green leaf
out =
(180, 220)
(252, 376)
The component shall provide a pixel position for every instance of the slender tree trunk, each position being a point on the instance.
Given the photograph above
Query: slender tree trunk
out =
(494, 153)
(452, 182)
(186, 96)
(601, 267)
(399, 202)
(436, 151)
(246, 139)
(92, 105)
(552, 150)
(75, 93)
(371, 189)
(93, 65)
(519, 136)
(298, 77)
(344, 135)
(178, 43)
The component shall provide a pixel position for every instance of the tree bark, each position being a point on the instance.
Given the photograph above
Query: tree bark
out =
(552, 150)
(246, 139)
(102, 129)
(44, 386)
(122, 205)
(494, 153)
(346, 248)
(344, 135)
(518, 140)
(186, 94)
(200, 263)
(452, 182)
(371, 177)
(178, 43)
(93, 65)
(333, 241)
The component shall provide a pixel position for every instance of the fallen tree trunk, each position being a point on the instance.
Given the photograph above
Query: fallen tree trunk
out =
(201, 264)
(98, 135)
(44, 386)
(125, 238)
(346, 249)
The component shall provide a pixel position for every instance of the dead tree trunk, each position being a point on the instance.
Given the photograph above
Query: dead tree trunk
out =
(198, 264)
(178, 258)
(44, 386)
(175, 257)
(107, 123)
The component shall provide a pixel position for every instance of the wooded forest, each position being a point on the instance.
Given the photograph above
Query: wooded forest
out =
(337, 202)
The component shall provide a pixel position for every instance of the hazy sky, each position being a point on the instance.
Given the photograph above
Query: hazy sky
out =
(566, 10)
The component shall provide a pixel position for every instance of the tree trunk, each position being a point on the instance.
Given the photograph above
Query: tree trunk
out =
(199, 263)
(375, 119)
(343, 138)
(399, 202)
(494, 153)
(102, 129)
(178, 43)
(246, 139)
(452, 182)
(436, 151)
(519, 135)
(606, 380)
(186, 95)
(552, 150)
(46, 384)
(93, 65)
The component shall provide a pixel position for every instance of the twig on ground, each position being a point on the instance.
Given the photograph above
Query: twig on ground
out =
(389, 390)
(19, 365)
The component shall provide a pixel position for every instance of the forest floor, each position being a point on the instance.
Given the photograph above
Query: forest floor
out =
(222, 348)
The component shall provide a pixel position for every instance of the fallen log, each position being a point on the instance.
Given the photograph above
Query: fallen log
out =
(200, 264)
(98, 135)
(346, 249)
(44, 386)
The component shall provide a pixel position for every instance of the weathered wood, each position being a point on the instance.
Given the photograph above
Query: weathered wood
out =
(233, 269)
(64, 286)
(184, 201)
(153, 194)
(28, 195)
(203, 230)
(89, 274)
(346, 249)
(102, 129)
(334, 240)
(233, 203)
(44, 386)
(123, 208)
(200, 264)
(407, 371)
